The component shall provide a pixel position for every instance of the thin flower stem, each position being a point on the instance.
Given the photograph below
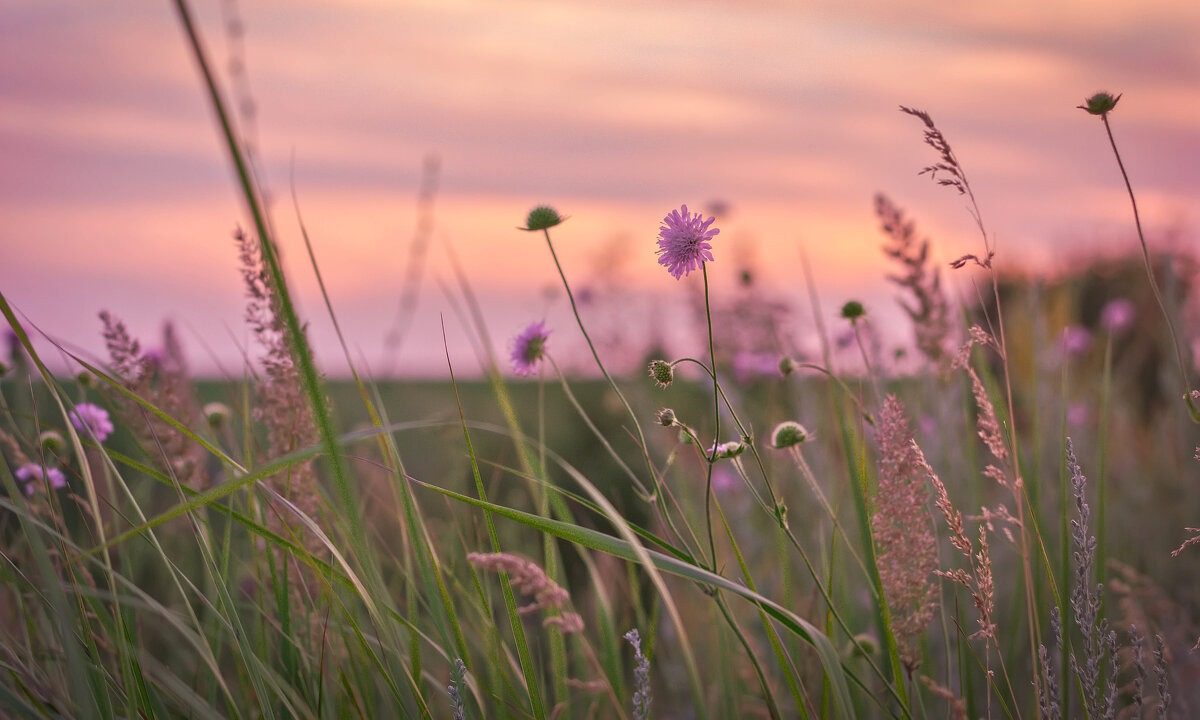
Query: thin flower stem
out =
(649, 496)
(712, 458)
(1162, 305)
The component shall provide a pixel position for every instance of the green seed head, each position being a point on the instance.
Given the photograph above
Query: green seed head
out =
(853, 310)
(1101, 104)
(787, 434)
(52, 441)
(542, 217)
(662, 372)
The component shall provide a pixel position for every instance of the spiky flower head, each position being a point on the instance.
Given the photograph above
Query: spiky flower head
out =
(529, 347)
(92, 419)
(666, 417)
(662, 372)
(789, 433)
(1102, 103)
(683, 241)
(542, 217)
(853, 310)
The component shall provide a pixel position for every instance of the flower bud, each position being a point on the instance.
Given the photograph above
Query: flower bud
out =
(666, 417)
(1102, 103)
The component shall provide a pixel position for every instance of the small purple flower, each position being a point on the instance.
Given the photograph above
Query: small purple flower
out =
(92, 418)
(724, 480)
(748, 366)
(529, 347)
(1079, 414)
(683, 241)
(1075, 341)
(1117, 314)
(35, 476)
(730, 449)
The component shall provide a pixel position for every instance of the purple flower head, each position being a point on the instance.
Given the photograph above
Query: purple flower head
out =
(1075, 341)
(92, 419)
(724, 479)
(683, 241)
(730, 449)
(749, 366)
(34, 477)
(1117, 314)
(1079, 414)
(529, 347)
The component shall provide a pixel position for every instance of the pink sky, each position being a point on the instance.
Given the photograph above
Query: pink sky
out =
(116, 194)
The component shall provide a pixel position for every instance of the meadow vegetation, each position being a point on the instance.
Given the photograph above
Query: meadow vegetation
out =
(979, 525)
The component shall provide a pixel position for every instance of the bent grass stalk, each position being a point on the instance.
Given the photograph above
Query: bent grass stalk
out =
(1101, 104)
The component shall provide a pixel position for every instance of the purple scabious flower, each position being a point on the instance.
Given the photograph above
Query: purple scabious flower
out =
(1117, 314)
(94, 419)
(683, 241)
(529, 347)
(1075, 341)
(35, 475)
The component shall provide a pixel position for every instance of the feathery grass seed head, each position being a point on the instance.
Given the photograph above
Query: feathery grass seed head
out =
(641, 677)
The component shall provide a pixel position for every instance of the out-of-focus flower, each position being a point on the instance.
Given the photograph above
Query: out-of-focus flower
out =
(662, 372)
(216, 414)
(1075, 341)
(683, 241)
(787, 366)
(788, 433)
(1117, 315)
(35, 477)
(748, 366)
(53, 442)
(529, 347)
(92, 419)
(666, 417)
(1079, 414)
(724, 479)
(542, 217)
(853, 310)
